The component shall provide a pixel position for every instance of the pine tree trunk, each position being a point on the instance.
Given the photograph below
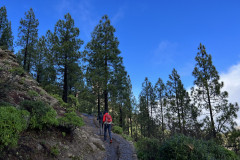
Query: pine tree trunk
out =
(183, 120)
(26, 49)
(179, 117)
(25, 54)
(105, 89)
(211, 115)
(38, 76)
(162, 114)
(131, 123)
(98, 103)
(29, 62)
(120, 117)
(65, 85)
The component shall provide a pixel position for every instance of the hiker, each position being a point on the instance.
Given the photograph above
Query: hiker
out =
(107, 120)
(100, 120)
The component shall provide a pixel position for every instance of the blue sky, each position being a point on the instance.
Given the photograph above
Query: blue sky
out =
(155, 36)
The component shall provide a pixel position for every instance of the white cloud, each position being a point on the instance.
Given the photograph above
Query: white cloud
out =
(231, 81)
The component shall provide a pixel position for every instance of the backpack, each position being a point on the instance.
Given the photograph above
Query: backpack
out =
(108, 119)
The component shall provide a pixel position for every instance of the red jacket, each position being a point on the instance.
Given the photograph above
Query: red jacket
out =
(104, 117)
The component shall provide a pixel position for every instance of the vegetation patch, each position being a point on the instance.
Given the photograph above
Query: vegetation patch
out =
(62, 103)
(127, 137)
(42, 115)
(12, 123)
(55, 150)
(117, 129)
(17, 71)
(71, 119)
(180, 147)
(32, 93)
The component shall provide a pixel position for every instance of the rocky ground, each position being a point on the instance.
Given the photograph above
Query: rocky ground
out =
(120, 149)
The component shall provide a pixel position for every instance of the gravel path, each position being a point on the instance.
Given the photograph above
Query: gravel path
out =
(120, 149)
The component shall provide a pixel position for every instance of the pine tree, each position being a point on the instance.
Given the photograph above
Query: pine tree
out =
(145, 97)
(208, 92)
(27, 38)
(49, 76)
(161, 93)
(39, 58)
(6, 38)
(173, 96)
(103, 56)
(179, 101)
(66, 49)
(129, 103)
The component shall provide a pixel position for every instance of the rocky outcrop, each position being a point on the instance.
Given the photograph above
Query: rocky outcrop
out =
(16, 85)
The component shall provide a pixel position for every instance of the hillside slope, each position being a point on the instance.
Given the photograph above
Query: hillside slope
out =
(55, 142)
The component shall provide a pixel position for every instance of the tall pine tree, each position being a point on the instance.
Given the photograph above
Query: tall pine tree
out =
(66, 48)
(103, 56)
(6, 38)
(207, 92)
(161, 95)
(28, 38)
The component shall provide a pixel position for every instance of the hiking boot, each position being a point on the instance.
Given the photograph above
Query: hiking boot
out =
(110, 141)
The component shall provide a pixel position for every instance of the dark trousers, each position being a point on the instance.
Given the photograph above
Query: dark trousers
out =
(107, 127)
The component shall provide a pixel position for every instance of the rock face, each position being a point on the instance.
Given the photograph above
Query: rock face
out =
(16, 85)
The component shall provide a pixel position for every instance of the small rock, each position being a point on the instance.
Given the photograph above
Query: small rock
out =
(39, 147)
(93, 146)
(70, 155)
(66, 147)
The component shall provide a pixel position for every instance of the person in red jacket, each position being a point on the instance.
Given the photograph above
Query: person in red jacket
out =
(107, 121)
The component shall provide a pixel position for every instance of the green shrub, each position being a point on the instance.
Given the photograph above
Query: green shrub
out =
(147, 149)
(71, 119)
(55, 150)
(32, 93)
(12, 123)
(42, 115)
(62, 103)
(5, 104)
(117, 129)
(17, 71)
(186, 148)
(180, 147)
(127, 137)
(63, 134)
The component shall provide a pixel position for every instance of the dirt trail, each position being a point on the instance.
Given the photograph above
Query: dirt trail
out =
(120, 149)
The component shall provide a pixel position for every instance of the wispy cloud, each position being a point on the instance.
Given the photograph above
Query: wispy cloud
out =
(164, 53)
(82, 11)
(63, 6)
(119, 15)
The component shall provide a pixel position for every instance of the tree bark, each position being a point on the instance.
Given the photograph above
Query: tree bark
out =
(120, 117)
(65, 85)
(98, 102)
(211, 115)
